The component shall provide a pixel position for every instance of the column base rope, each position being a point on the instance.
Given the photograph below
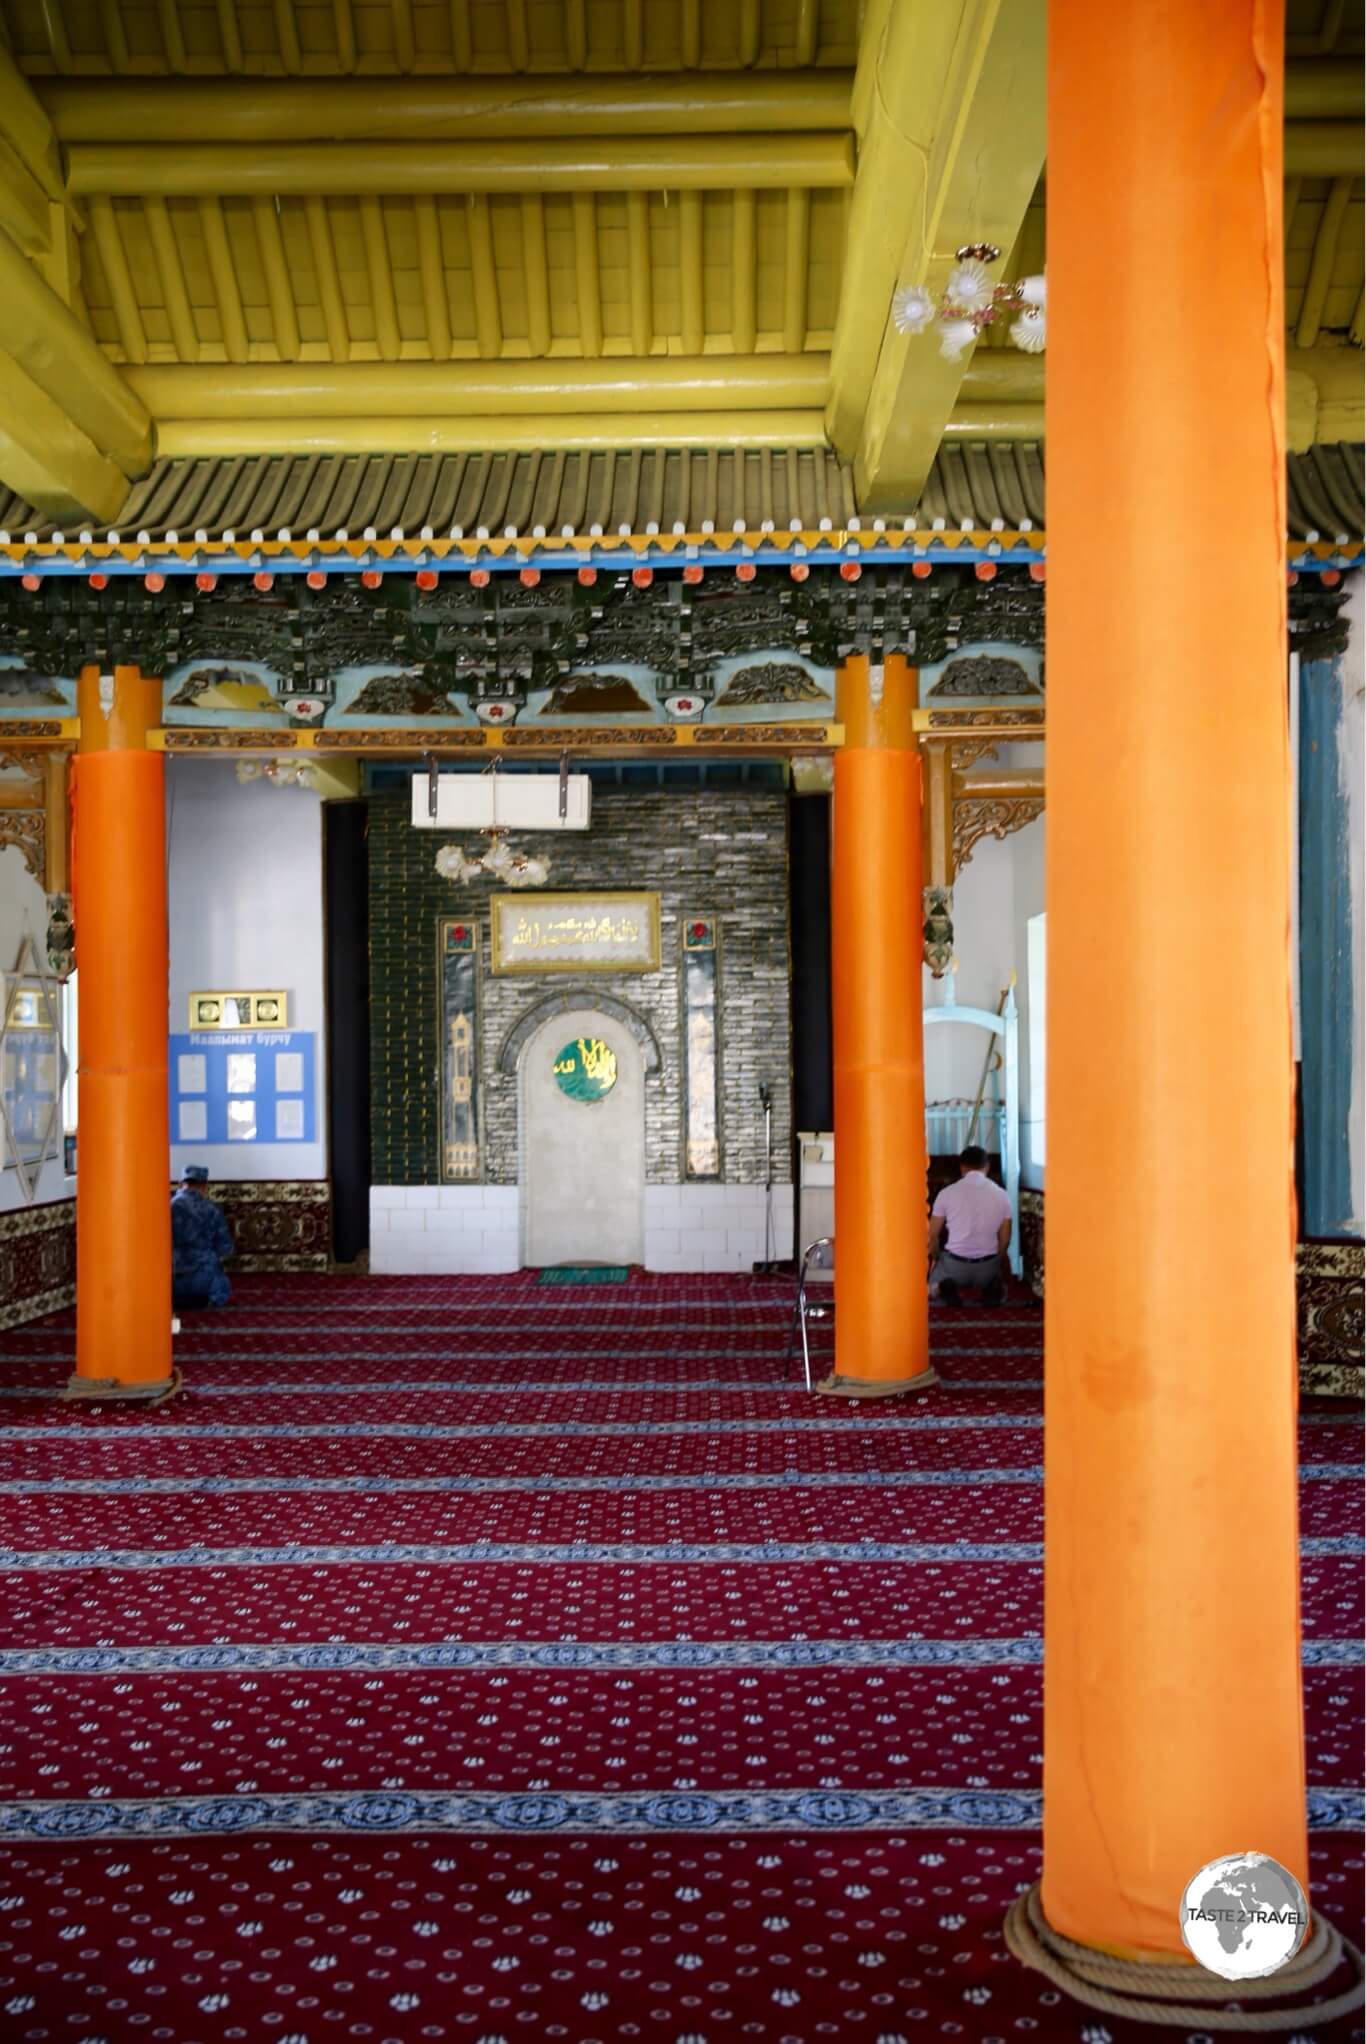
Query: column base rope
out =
(1181, 1996)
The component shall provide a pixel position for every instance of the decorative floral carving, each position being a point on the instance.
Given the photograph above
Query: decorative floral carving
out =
(962, 757)
(781, 736)
(1028, 723)
(590, 738)
(979, 816)
(26, 829)
(413, 739)
(31, 766)
(771, 681)
(215, 739)
(985, 674)
(410, 694)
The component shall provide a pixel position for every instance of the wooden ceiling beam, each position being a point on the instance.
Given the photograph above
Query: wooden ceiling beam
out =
(952, 105)
(71, 433)
(1324, 148)
(374, 390)
(47, 460)
(99, 170)
(1324, 88)
(491, 433)
(441, 108)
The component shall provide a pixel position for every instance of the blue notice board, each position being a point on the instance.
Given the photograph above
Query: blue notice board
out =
(243, 1086)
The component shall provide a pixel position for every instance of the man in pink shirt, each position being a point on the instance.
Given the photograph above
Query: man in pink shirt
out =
(976, 1214)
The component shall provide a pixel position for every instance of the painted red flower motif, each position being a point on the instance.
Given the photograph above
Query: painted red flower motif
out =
(699, 930)
(460, 933)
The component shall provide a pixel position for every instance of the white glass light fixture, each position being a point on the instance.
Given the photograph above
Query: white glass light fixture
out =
(972, 301)
(499, 862)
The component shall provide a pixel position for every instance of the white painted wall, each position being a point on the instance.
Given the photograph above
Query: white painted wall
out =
(1353, 730)
(23, 905)
(246, 909)
(994, 896)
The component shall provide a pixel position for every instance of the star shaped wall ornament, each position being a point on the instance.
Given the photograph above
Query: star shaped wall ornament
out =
(33, 1005)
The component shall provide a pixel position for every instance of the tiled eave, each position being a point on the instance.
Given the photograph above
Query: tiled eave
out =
(293, 514)
(532, 556)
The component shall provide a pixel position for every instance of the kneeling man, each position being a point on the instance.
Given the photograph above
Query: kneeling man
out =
(200, 1239)
(976, 1213)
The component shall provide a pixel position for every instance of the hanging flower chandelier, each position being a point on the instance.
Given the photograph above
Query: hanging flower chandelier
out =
(973, 300)
(499, 862)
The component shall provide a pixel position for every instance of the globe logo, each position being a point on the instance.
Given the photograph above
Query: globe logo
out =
(1244, 1917)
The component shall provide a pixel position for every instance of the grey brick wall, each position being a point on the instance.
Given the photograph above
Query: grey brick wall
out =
(706, 852)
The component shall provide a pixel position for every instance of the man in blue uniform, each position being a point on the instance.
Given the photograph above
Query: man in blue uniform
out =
(200, 1239)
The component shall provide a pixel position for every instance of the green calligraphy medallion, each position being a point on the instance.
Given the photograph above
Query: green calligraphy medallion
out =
(586, 1069)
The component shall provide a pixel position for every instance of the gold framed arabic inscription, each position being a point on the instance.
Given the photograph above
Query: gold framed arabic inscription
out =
(591, 932)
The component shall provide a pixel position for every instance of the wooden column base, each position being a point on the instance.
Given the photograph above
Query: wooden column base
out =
(836, 1386)
(93, 1390)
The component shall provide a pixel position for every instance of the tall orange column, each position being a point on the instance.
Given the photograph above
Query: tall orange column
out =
(1171, 1583)
(123, 1227)
(882, 1338)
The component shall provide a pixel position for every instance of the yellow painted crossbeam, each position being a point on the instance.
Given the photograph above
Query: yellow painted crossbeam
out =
(444, 108)
(950, 102)
(383, 169)
(360, 393)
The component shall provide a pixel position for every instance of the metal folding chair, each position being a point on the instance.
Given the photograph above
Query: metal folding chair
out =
(818, 1257)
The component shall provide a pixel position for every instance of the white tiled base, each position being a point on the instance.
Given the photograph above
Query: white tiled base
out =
(444, 1228)
(477, 1228)
(713, 1227)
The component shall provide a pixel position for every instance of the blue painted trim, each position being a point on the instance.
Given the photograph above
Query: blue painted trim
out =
(619, 559)
(1326, 999)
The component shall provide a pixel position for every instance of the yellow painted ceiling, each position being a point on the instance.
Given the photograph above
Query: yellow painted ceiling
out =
(247, 186)
(333, 38)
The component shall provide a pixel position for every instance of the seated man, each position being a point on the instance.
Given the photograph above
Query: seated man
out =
(199, 1241)
(976, 1213)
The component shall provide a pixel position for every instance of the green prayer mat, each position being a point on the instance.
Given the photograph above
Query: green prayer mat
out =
(584, 1274)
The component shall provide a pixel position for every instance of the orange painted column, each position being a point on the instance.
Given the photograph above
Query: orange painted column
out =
(882, 1336)
(123, 1224)
(1171, 1580)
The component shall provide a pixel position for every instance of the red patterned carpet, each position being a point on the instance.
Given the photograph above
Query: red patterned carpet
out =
(468, 1659)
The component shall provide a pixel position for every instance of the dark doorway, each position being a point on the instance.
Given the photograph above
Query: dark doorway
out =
(813, 1079)
(346, 865)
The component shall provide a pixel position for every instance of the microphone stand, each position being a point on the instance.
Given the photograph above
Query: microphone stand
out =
(768, 1264)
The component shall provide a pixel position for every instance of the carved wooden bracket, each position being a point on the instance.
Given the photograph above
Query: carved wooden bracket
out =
(976, 817)
(27, 829)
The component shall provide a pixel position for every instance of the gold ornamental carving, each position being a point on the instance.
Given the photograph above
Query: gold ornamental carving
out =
(968, 754)
(747, 736)
(588, 738)
(976, 817)
(413, 739)
(26, 829)
(180, 739)
(1027, 722)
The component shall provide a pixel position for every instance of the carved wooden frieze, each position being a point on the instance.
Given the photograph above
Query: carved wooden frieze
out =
(507, 637)
(979, 816)
(26, 829)
(979, 675)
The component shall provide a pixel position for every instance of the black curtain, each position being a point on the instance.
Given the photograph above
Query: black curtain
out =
(347, 877)
(813, 1076)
